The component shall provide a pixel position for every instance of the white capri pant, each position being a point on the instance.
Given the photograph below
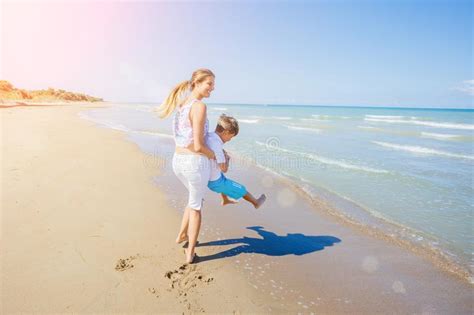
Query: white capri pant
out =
(194, 171)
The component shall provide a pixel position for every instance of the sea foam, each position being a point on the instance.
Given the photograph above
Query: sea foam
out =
(422, 150)
(249, 121)
(325, 160)
(440, 136)
(315, 130)
(423, 123)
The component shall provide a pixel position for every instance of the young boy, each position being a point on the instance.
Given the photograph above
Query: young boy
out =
(227, 128)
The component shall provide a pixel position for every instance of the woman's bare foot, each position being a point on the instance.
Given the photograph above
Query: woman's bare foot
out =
(189, 256)
(227, 202)
(260, 201)
(181, 238)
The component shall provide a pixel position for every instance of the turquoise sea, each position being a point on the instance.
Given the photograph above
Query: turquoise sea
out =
(408, 167)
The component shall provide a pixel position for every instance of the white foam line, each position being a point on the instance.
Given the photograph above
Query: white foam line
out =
(439, 136)
(325, 160)
(422, 150)
(369, 128)
(152, 133)
(304, 129)
(249, 121)
(384, 117)
(107, 124)
(424, 123)
(281, 117)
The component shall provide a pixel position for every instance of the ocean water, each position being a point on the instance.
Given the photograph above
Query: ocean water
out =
(412, 168)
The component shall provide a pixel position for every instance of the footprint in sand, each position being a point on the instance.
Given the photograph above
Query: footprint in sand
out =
(185, 278)
(124, 264)
(183, 281)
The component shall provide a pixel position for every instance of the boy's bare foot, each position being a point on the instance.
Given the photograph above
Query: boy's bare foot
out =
(181, 238)
(227, 202)
(260, 201)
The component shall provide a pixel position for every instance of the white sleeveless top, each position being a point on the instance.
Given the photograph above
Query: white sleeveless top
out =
(182, 129)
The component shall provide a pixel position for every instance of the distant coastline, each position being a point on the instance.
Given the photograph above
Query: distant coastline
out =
(9, 93)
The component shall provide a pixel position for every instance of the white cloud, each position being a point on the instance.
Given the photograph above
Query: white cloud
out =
(466, 86)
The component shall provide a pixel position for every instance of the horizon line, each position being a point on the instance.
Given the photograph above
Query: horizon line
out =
(316, 105)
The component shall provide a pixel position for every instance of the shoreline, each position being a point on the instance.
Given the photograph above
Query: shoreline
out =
(434, 255)
(120, 216)
(363, 257)
(378, 227)
(381, 230)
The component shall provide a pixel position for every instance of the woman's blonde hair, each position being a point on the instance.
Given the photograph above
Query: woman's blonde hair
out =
(175, 96)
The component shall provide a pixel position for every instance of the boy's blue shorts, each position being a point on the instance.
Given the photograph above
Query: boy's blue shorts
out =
(228, 187)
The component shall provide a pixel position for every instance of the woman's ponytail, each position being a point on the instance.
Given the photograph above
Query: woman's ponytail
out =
(169, 105)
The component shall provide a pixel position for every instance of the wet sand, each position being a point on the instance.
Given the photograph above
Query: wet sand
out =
(306, 260)
(89, 222)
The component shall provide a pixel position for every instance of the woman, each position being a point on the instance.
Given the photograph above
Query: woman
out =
(191, 158)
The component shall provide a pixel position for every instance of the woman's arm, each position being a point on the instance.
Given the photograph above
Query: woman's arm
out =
(198, 119)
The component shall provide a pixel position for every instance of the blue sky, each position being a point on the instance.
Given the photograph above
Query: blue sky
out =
(371, 53)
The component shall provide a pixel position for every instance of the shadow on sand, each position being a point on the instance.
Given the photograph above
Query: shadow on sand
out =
(271, 244)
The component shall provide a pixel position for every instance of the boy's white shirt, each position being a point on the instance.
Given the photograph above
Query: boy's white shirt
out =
(215, 143)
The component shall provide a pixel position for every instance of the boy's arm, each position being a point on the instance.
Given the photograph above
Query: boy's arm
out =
(221, 159)
(225, 166)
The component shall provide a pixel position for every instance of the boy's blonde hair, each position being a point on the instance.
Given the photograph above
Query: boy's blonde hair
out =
(169, 105)
(227, 123)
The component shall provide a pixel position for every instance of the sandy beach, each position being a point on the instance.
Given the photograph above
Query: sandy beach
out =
(76, 200)
(88, 223)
